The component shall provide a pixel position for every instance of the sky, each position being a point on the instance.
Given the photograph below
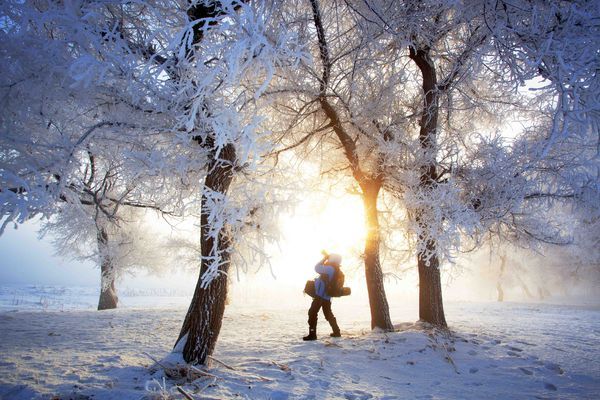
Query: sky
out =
(25, 259)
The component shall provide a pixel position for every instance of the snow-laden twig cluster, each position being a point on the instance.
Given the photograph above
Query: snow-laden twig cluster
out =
(109, 105)
(516, 119)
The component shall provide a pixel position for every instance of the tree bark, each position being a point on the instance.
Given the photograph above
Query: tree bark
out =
(431, 308)
(380, 313)
(202, 323)
(108, 293)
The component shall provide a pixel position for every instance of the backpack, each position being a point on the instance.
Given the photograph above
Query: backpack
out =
(335, 285)
(309, 288)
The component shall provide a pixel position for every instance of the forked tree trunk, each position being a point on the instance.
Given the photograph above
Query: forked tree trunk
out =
(108, 293)
(203, 320)
(431, 308)
(380, 313)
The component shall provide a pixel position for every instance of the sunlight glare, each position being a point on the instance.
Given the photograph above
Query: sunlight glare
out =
(335, 225)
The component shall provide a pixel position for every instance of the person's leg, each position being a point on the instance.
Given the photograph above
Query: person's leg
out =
(313, 313)
(331, 319)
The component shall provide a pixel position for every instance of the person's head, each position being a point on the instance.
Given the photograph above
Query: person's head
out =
(334, 259)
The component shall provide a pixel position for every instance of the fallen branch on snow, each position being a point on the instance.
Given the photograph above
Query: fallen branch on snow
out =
(184, 393)
(154, 359)
(202, 372)
(283, 367)
(222, 363)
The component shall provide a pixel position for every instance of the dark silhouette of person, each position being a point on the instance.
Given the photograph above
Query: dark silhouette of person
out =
(325, 269)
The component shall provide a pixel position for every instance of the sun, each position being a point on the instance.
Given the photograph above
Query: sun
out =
(335, 225)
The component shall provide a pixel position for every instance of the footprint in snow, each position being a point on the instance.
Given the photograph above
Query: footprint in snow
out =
(526, 371)
(525, 343)
(550, 386)
(555, 368)
(472, 353)
(322, 383)
(304, 370)
(473, 370)
(357, 395)
(476, 384)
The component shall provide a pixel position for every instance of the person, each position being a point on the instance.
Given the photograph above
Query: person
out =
(326, 268)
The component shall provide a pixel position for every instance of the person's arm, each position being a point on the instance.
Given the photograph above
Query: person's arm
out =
(321, 268)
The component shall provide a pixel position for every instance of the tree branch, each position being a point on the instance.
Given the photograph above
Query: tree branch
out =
(346, 140)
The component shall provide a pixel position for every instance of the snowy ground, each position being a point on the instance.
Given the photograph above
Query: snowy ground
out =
(497, 351)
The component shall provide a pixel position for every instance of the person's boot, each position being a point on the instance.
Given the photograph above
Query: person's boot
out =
(312, 334)
(336, 329)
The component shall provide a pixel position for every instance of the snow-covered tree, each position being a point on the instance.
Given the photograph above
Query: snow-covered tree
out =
(167, 74)
(471, 179)
(106, 223)
(72, 150)
(427, 102)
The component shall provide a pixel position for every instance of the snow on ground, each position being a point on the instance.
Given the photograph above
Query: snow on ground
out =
(65, 298)
(496, 351)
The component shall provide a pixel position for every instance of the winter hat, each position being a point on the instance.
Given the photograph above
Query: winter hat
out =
(334, 259)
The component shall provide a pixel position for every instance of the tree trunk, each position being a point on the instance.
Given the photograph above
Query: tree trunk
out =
(202, 323)
(380, 312)
(108, 294)
(203, 320)
(500, 276)
(431, 308)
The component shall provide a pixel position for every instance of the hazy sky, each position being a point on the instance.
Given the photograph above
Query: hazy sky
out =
(26, 259)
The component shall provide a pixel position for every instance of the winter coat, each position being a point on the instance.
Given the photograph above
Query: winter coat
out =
(320, 284)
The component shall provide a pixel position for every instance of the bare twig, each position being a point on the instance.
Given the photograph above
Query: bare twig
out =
(222, 363)
(155, 360)
(184, 393)
(448, 358)
(203, 373)
(283, 367)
